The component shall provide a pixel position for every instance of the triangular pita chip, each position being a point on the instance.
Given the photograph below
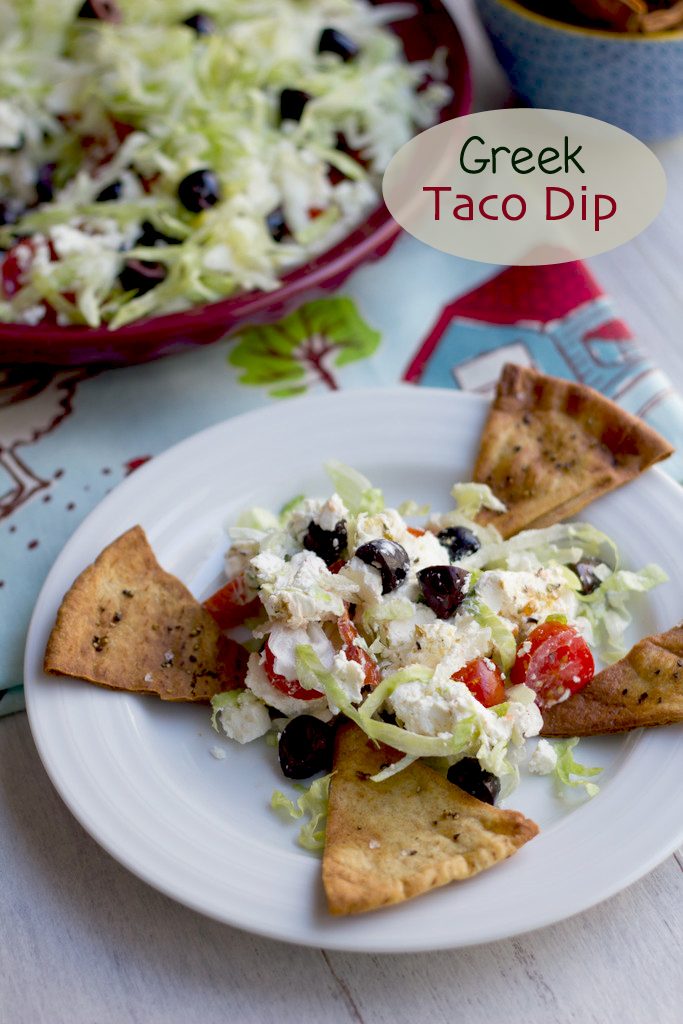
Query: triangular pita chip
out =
(552, 446)
(644, 688)
(127, 624)
(389, 841)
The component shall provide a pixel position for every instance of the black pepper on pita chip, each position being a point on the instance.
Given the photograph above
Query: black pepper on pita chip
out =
(128, 624)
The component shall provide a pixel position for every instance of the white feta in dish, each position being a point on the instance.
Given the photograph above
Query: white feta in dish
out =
(228, 145)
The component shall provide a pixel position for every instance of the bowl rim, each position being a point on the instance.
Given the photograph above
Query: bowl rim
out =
(593, 33)
(369, 236)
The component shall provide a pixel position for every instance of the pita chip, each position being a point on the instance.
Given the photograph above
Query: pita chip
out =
(389, 841)
(552, 446)
(129, 625)
(644, 688)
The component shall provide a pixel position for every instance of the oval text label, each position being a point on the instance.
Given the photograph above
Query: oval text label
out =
(524, 187)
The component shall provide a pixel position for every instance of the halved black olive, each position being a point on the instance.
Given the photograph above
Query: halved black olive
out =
(11, 210)
(585, 570)
(199, 190)
(151, 236)
(469, 775)
(141, 276)
(305, 747)
(276, 224)
(45, 189)
(292, 103)
(327, 544)
(333, 41)
(203, 24)
(444, 588)
(110, 193)
(459, 542)
(390, 558)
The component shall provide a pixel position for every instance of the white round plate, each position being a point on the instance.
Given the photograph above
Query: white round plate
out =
(139, 774)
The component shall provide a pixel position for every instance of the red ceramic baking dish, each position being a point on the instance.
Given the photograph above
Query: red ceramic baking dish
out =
(429, 28)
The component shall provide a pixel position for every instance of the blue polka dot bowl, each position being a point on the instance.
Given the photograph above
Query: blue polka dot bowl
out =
(632, 81)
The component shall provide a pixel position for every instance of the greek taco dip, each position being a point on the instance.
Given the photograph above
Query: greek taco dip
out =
(405, 666)
(159, 155)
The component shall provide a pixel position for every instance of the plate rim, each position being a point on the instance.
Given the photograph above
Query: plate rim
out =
(329, 941)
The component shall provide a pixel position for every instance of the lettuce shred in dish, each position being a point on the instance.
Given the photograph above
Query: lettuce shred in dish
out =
(101, 123)
(352, 621)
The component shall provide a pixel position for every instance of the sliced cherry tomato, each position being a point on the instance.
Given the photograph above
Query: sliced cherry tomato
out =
(233, 604)
(232, 663)
(558, 660)
(484, 680)
(291, 687)
(416, 531)
(353, 652)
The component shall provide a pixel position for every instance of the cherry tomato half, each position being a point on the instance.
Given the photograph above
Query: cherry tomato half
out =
(353, 652)
(233, 604)
(290, 687)
(558, 659)
(484, 680)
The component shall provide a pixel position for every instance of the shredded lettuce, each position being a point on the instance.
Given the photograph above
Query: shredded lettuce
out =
(501, 633)
(70, 88)
(289, 506)
(257, 518)
(354, 489)
(312, 802)
(569, 772)
(607, 607)
(312, 675)
(561, 543)
(470, 498)
(393, 769)
(219, 701)
(411, 508)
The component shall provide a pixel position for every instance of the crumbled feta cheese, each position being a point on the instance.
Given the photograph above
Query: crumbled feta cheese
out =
(11, 121)
(258, 682)
(435, 709)
(543, 761)
(326, 515)
(444, 645)
(366, 581)
(32, 315)
(525, 720)
(283, 642)
(148, 677)
(519, 596)
(245, 718)
(350, 677)
(218, 753)
(301, 590)
(374, 844)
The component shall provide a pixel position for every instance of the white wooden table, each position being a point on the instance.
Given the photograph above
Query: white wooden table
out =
(84, 942)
